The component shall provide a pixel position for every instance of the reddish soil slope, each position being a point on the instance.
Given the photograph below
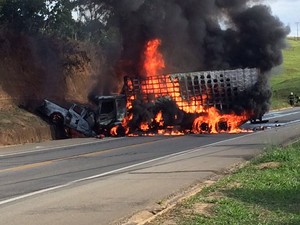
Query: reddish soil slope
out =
(32, 69)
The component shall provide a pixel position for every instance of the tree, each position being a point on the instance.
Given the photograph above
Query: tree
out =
(38, 16)
(22, 15)
(53, 17)
(59, 20)
(93, 16)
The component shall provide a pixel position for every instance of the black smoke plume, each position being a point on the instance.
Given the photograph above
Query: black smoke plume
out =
(200, 34)
(203, 35)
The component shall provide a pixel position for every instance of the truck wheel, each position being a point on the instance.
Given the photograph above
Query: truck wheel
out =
(222, 126)
(202, 127)
(56, 118)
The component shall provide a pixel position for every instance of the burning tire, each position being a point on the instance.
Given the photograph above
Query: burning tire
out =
(201, 127)
(204, 128)
(222, 126)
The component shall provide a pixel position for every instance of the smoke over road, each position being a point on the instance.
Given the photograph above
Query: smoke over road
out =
(200, 34)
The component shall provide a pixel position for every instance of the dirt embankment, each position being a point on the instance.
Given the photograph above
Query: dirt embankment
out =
(34, 68)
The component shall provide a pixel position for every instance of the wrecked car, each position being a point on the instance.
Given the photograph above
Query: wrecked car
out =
(109, 111)
(77, 117)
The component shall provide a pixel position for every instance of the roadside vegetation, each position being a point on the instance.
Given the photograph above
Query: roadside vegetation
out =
(287, 78)
(265, 191)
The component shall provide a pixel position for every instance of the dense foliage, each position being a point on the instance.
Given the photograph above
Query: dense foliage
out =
(76, 19)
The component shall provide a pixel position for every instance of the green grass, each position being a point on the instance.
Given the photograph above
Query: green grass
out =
(288, 79)
(259, 193)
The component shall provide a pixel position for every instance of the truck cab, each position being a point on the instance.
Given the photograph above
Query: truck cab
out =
(111, 111)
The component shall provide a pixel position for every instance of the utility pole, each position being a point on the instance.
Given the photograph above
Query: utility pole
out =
(297, 23)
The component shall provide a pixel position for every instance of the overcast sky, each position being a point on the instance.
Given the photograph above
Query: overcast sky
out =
(288, 11)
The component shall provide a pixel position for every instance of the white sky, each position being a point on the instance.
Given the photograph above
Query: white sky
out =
(288, 12)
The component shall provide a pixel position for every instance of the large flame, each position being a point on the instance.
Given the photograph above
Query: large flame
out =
(154, 62)
(210, 120)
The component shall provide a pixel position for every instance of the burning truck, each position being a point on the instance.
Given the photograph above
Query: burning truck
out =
(197, 102)
(235, 45)
(174, 104)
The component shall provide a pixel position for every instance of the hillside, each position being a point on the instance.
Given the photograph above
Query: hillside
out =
(32, 69)
(287, 80)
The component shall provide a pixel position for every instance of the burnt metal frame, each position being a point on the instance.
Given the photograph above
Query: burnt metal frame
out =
(206, 88)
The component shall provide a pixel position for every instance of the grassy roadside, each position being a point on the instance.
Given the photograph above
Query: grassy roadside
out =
(265, 191)
(288, 79)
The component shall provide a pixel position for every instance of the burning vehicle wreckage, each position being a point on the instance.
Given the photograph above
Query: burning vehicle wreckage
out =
(173, 104)
(164, 37)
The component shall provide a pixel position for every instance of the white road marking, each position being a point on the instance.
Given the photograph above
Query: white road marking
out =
(44, 149)
(117, 170)
(277, 115)
(292, 122)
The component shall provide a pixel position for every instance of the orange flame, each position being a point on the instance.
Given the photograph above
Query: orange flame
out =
(214, 122)
(159, 119)
(210, 121)
(144, 126)
(154, 62)
(113, 131)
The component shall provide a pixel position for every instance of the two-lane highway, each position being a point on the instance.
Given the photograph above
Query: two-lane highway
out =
(100, 181)
(28, 172)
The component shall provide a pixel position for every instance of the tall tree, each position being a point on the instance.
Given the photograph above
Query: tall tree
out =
(59, 19)
(78, 19)
(38, 16)
(93, 16)
(23, 15)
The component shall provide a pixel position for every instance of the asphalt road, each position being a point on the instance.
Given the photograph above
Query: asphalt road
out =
(90, 181)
